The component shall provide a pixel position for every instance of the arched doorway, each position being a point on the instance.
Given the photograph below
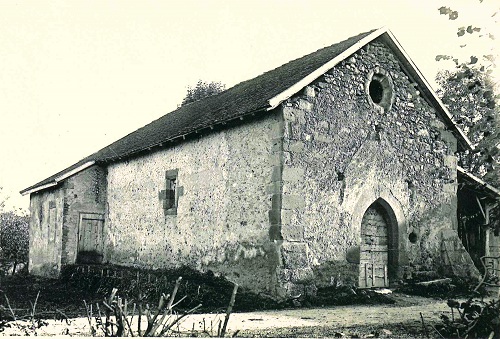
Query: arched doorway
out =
(378, 248)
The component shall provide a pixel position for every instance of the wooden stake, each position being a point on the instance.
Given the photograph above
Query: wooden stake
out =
(423, 325)
(229, 310)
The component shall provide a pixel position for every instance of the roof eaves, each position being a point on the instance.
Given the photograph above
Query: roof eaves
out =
(64, 175)
(38, 188)
(287, 93)
(176, 137)
(479, 181)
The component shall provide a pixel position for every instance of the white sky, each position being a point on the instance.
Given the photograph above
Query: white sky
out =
(77, 75)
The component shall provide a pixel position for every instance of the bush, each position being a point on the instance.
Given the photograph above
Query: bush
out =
(212, 291)
(202, 90)
(14, 238)
(471, 319)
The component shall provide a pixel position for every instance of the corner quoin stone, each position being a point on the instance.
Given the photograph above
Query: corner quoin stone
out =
(290, 202)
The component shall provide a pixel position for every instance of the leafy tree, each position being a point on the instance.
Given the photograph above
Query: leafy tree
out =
(202, 90)
(469, 94)
(14, 235)
(470, 36)
(2, 199)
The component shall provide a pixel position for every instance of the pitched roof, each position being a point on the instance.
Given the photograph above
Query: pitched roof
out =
(262, 93)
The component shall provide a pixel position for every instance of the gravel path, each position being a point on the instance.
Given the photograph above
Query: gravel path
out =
(405, 310)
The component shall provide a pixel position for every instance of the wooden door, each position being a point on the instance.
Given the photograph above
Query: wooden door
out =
(374, 256)
(90, 238)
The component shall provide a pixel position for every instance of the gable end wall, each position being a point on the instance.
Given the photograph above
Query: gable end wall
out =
(341, 153)
(84, 192)
(55, 216)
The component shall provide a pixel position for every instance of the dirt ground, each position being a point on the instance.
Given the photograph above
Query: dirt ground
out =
(332, 312)
(399, 320)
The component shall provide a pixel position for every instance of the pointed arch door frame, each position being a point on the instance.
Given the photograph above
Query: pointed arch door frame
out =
(397, 232)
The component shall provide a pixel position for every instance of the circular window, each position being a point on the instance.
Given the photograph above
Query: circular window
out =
(376, 91)
(379, 89)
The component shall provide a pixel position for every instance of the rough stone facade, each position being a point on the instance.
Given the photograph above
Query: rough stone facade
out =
(277, 202)
(342, 152)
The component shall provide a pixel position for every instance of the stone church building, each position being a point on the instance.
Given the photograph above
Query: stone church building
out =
(336, 168)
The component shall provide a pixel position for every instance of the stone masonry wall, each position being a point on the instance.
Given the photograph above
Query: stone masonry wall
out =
(85, 192)
(342, 152)
(45, 232)
(225, 189)
(55, 217)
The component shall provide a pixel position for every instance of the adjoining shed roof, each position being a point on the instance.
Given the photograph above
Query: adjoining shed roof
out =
(478, 185)
(259, 94)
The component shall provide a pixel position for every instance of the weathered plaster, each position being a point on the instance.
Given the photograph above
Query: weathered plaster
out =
(223, 219)
(55, 216)
(45, 232)
(84, 192)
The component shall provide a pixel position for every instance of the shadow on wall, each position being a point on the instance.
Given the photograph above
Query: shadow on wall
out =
(336, 273)
(46, 270)
(89, 257)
